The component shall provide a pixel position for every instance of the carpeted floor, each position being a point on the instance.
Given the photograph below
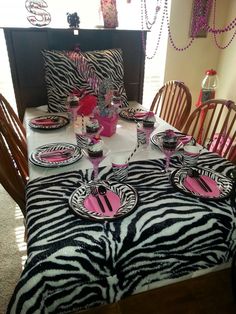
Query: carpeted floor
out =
(12, 247)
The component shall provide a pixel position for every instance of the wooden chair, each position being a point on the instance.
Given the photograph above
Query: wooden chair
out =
(173, 103)
(213, 125)
(13, 149)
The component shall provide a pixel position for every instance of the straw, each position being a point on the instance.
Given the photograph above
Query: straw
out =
(83, 126)
(133, 152)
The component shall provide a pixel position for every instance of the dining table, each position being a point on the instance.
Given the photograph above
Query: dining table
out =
(76, 262)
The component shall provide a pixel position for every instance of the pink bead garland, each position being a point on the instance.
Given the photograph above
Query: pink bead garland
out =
(200, 24)
(214, 33)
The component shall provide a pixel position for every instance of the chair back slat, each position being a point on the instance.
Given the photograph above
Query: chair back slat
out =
(215, 121)
(176, 102)
(173, 103)
(13, 149)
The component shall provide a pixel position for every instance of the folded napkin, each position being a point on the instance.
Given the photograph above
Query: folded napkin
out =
(54, 158)
(44, 122)
(193, 186)
(91, 203)
(140, 114)
(185, 139)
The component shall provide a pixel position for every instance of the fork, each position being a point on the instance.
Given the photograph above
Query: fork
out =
(95, 193)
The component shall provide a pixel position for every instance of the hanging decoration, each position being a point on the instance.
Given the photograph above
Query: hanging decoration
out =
(109, 13)
(220, 31)
(40, 16)
(200, 16)
(149, 25)
(199, 24)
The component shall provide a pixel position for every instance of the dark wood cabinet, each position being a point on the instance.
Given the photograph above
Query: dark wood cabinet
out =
(27, 66)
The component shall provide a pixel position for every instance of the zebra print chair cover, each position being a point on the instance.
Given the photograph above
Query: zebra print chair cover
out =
(66, 71)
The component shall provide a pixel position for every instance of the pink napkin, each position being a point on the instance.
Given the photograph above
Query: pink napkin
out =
(192, 185)
(54, 158)
(185, 139)
(91, 203)
(43, 122)
(140, 114)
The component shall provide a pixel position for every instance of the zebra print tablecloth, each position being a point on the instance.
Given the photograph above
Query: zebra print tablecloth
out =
(74, 264)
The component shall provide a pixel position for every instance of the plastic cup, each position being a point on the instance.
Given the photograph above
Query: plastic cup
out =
(120, 168)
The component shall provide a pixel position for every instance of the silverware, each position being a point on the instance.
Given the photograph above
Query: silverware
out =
(94, 192)
(194, 174)
(102, 191)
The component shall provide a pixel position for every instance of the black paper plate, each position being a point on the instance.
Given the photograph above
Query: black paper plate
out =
(37, 159)
(224, 184)
(55, 121)
(156, 139)
(129, 114)
(127, 194)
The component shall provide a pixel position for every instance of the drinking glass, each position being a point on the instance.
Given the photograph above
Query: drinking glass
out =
(95, 161)
(169, 147)
(191, 154)
(143, 135)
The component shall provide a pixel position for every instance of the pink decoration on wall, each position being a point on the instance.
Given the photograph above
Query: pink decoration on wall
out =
(40, 16)
(109, 13)
(200, 16)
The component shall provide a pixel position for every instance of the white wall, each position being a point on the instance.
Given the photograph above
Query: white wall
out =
(189, 66)
(227, 60)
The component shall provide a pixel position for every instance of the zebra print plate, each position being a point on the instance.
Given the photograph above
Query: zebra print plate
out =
(55, 155)
(156, 139)
(48, 122)
(123, 194)
(220, 183)
(133, 114)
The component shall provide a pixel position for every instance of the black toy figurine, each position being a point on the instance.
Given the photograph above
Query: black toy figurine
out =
(73, 20)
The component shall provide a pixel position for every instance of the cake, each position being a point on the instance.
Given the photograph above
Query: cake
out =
(92, 126)
(169, 140)
(95, 147)
(149, 120)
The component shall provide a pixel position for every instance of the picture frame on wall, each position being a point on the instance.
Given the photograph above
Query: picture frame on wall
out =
(200, 17)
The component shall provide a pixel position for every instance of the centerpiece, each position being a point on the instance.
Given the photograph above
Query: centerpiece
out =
(107, 109)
